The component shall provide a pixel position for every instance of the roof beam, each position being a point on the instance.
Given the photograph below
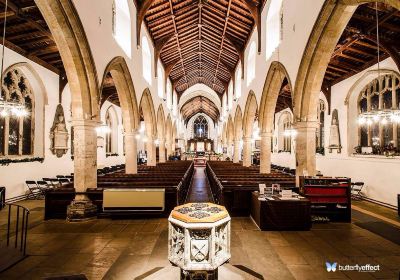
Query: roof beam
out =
(142, 8)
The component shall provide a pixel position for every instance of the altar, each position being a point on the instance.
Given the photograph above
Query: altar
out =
(199, 239)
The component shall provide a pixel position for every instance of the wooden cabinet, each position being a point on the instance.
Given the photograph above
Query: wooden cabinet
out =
(330, 197)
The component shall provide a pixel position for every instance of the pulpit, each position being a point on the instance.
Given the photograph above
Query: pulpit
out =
(199, 239)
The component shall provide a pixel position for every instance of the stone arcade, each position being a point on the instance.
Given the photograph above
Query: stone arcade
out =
(119, 116)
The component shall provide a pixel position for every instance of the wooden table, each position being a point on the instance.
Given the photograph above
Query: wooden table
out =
(281, 214)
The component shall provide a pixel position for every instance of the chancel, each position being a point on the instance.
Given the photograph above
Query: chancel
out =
(195, 139)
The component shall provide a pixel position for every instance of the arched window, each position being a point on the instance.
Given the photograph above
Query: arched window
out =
(230, 95)
(16, 129)
(146, 60)
(273, 27)
(109, 142)
(320, 140)
(111, 138)
(121, 25)
(238, 82)
(378, 126)
(224, 104)
(287, 144)
(285, 132)
(200, 127)
(251, 63)
(160, 80)
(169, 94)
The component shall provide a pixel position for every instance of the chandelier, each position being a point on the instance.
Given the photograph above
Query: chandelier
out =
(8, 108)
(382, 116)
(379, 116)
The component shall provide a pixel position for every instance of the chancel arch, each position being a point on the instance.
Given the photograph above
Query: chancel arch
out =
(330, 24)
(249, 117)
(237, 135)
(146, 108)
(117, 87)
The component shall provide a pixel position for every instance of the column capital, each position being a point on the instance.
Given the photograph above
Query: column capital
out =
(246, 139)
(306, 125)
(88, 123)
(265, 134)
(131, 134)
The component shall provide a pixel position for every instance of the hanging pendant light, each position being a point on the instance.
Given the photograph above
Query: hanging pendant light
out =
(8, 108)
(384, 116)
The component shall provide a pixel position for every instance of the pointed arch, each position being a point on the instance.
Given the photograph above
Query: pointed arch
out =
(250, 113)
(238, 124)
(230, 130)
(168, 134)
(161, 126)
(68, 32)
(146, 107)
(126, 92)
(327, 30)
(273, 83)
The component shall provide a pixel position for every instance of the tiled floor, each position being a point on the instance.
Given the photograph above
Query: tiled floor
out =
(133, 249)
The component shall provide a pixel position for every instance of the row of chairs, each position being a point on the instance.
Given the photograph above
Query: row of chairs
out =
(37, 188)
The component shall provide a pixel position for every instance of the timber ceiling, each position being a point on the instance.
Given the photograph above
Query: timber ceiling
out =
(357, 48)
(284, 98)
(199, 104)
(27, 34)
(199, 41)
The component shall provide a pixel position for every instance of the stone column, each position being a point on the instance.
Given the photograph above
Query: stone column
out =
(161, 149)
(169, 148)
(265, 152)
(236, 151)
(305, 149)
(130, 152)
(151, 152)
(246, 151)
(173, 146)
(85, 169)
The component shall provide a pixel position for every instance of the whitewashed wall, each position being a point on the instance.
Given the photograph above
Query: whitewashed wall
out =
(380, 174)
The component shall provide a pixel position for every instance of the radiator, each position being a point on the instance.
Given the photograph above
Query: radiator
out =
(133, 200)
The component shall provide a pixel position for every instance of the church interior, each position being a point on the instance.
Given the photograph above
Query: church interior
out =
(200, 139)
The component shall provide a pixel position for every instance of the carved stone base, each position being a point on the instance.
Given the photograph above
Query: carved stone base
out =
(81, 210)
(199, 275)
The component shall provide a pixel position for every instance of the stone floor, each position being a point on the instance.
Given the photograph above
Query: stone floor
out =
(137, 249)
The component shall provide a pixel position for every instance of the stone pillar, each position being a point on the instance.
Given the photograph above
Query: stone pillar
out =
(130, 153)
(236, 151)
(169, 148)
(161, 150)
(246, 151)
(305, 149)
(229, 150)
(265, 153)
(151, 152)
(85, 169)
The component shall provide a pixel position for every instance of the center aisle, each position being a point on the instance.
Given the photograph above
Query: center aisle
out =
(199, 190)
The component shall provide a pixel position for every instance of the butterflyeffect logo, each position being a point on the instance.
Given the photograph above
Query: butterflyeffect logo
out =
(331, 267)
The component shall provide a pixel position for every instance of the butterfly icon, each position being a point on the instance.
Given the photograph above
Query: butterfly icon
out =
(331, 267)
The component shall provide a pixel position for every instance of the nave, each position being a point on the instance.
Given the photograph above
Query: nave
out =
(198, 139)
